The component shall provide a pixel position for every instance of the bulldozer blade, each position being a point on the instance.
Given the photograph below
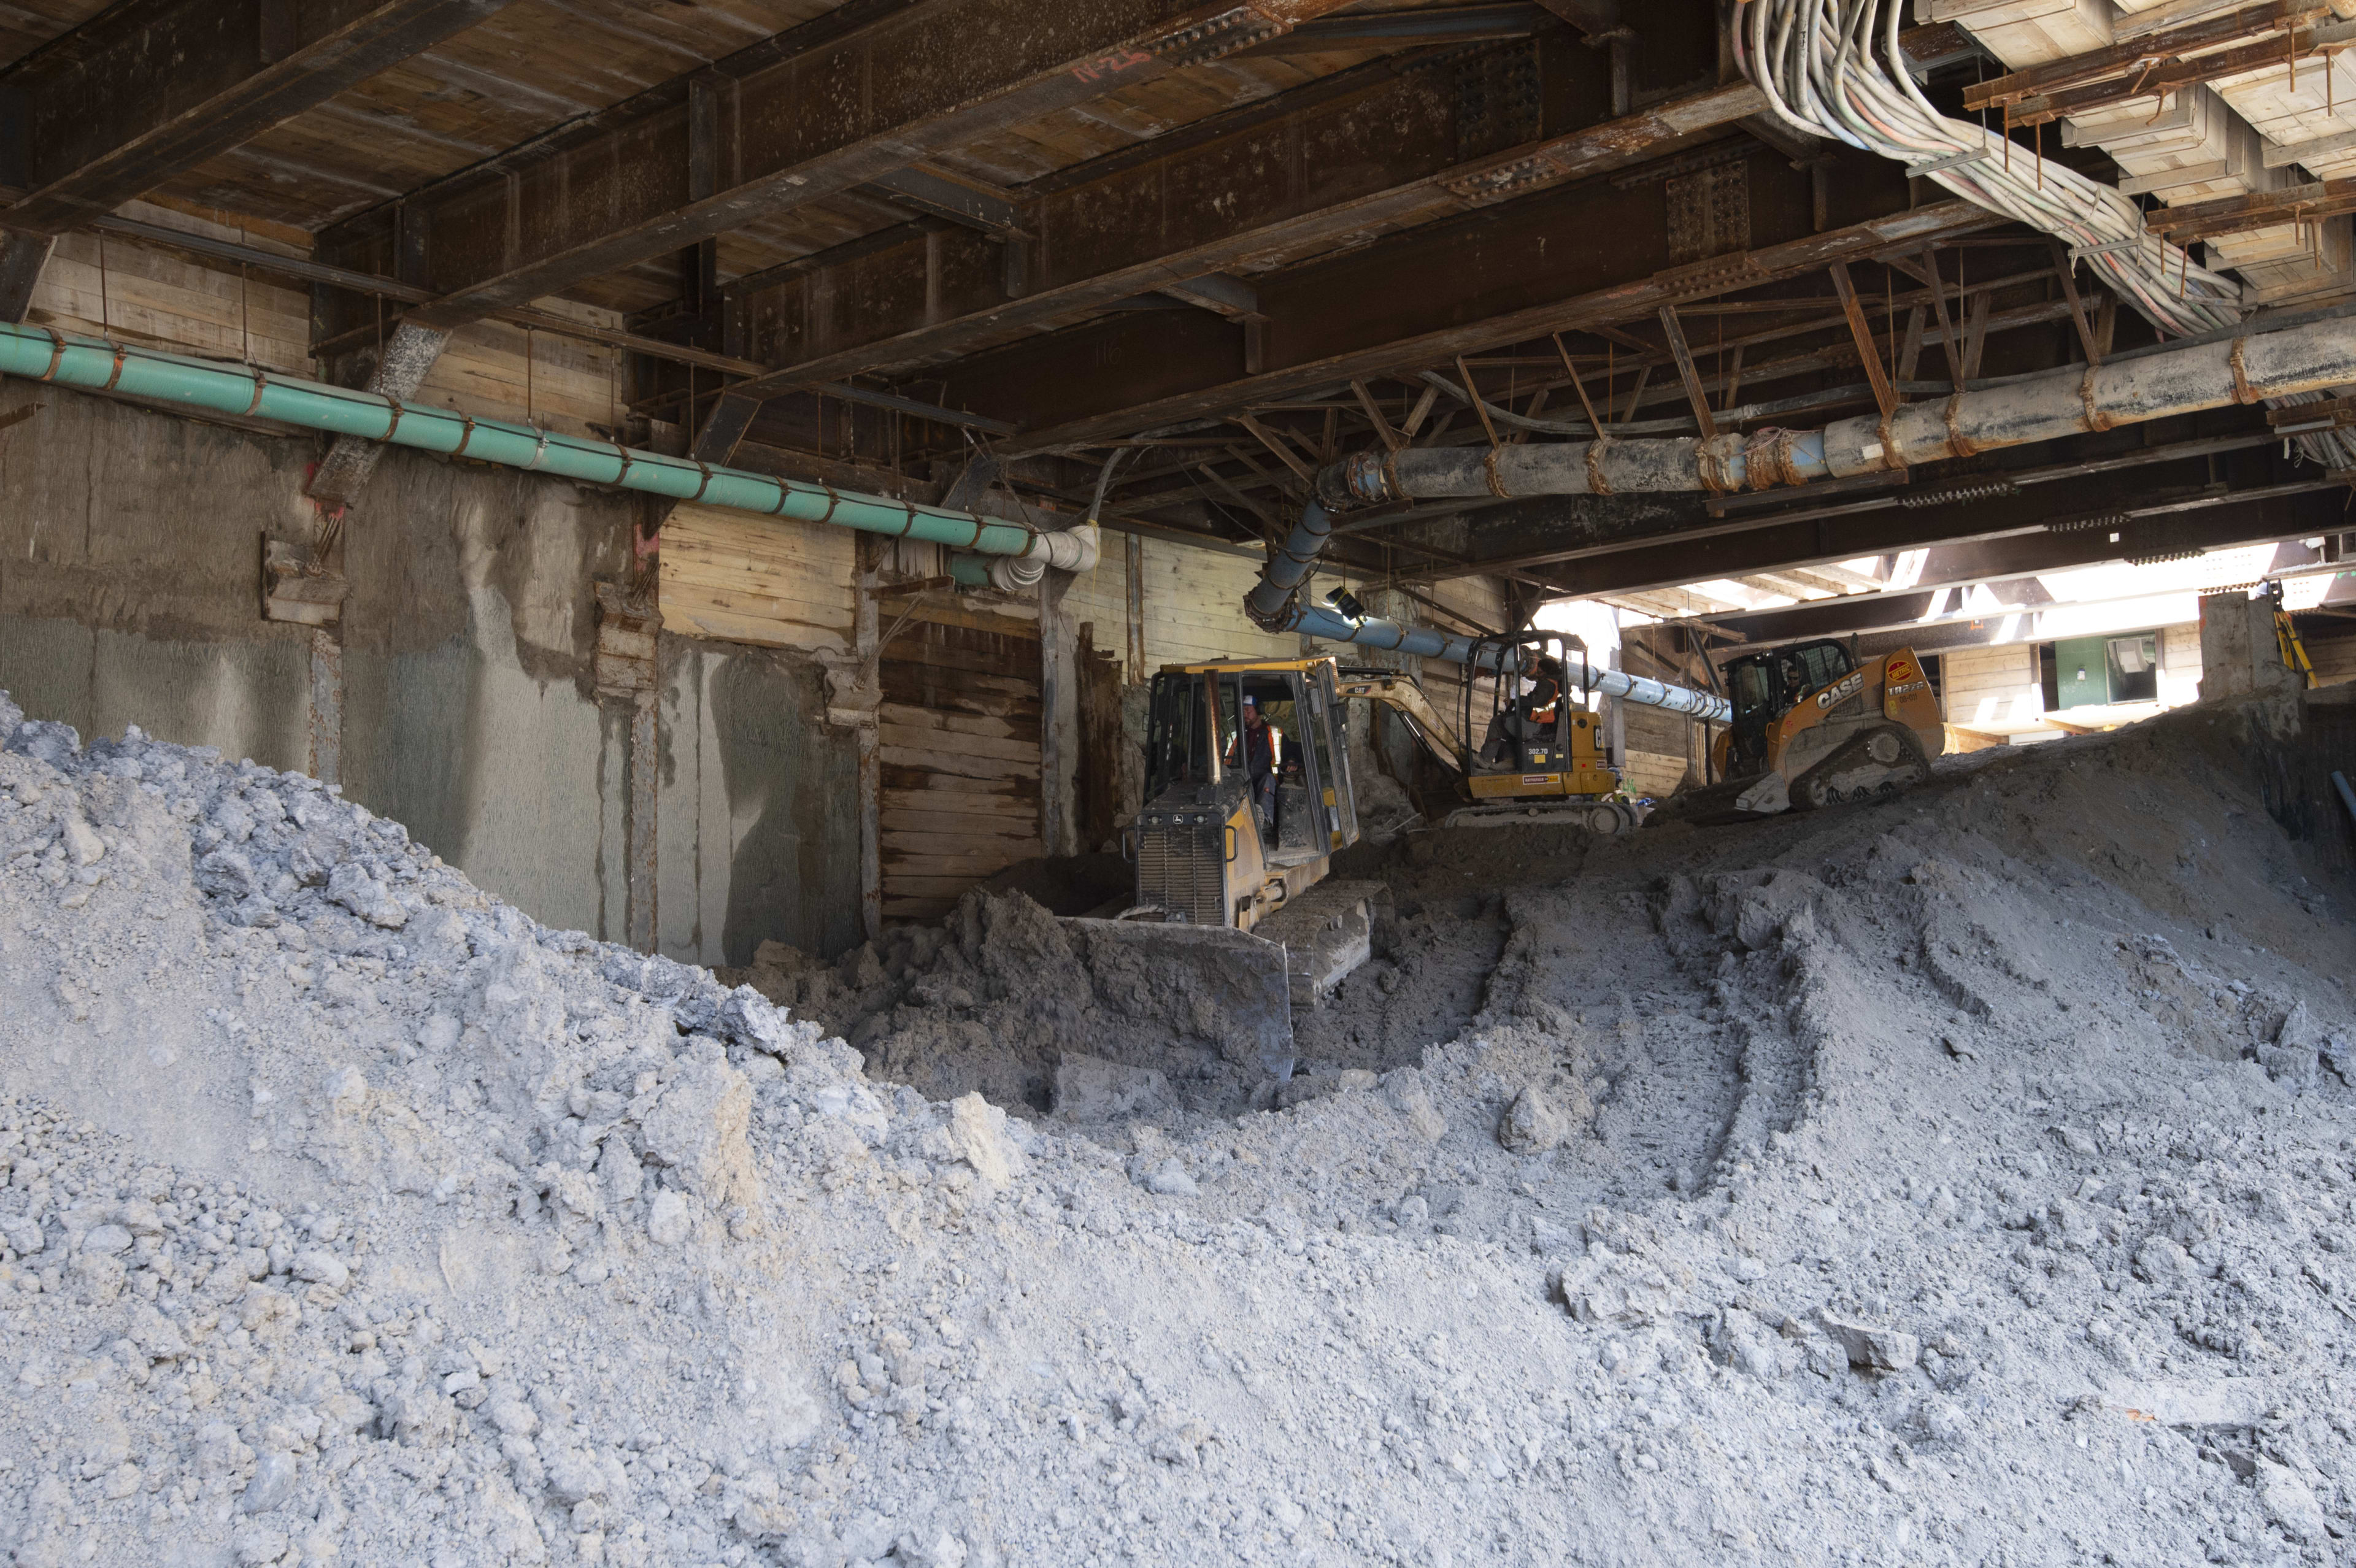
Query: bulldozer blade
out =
(1211, 983)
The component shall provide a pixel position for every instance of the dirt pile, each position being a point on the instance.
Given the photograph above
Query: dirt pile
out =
(1960, 1180)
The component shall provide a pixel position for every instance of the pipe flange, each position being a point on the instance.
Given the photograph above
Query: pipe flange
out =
(2096, 420)
(2242, 393)
(1890, 458)
(1714, 459)
(1496, 484)
(1597, 485)
(1361, 479)
(1959, 444)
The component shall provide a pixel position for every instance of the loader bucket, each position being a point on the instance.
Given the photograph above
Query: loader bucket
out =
(1216, 984)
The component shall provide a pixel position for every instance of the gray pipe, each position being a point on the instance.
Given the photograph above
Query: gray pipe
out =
(2245, 369)
(1317, 622)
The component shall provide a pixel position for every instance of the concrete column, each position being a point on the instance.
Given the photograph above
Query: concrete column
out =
(326, 723)
(645, 767)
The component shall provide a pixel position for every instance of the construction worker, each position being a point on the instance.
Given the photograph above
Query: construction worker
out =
(1530, 717)
(1259, 752)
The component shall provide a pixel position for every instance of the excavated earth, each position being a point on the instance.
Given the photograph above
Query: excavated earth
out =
(1964, 1178)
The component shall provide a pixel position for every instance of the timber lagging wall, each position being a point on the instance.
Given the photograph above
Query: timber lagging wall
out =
(960, 739)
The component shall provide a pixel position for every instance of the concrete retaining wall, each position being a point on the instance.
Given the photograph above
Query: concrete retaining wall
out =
(130, 592)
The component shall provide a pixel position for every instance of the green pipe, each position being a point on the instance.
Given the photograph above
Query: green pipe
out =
(70, 360)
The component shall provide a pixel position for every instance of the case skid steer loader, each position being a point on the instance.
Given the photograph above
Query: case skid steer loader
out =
(1813, 728)
(1234, 924)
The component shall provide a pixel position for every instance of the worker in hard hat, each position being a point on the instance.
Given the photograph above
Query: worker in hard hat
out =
(1259, 751)
(1531, 716)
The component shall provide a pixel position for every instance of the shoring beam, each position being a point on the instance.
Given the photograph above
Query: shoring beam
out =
(856, 94)
(2158, 528)
(2009, 567)
(141, 93)
(1587, 255)
(1274, 186)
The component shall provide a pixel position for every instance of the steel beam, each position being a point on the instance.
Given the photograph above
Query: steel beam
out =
(2189, 523)
(1400, 149)
(1586, 255)
(854, 96)
(143, 92)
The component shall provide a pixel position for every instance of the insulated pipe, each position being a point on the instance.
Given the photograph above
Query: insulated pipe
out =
(1317, 622)
(2246, 370)
(68, 359)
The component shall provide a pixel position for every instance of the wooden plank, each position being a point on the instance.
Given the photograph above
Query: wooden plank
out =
(976, 828)
(755, 631)
(933, 612)
(1018, 800)
(974, 767)
(997, 849)
(924, 781)
(966, 748)
(916, 911)
(948, 723)
(932, 875)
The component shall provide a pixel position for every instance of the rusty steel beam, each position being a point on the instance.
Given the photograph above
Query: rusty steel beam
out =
(855, 95)
(1583, 256)
(1402, 149)
(2159, 528)
(141, 93)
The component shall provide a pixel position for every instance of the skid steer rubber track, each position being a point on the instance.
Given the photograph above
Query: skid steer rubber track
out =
(1881, 760)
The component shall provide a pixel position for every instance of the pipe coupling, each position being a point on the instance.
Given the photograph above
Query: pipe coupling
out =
(1361, 479)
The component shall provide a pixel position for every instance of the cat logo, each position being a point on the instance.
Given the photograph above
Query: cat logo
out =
(1846, 686)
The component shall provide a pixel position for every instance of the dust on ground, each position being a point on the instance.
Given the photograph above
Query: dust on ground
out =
(1964, 1178)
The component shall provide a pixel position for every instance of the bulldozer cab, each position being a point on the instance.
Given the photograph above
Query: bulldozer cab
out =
(1764, 687)
(1202, 749)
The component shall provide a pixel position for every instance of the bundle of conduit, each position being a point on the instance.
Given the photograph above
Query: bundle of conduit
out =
(1816, 61)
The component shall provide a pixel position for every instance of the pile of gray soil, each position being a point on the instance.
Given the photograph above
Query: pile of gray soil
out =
(1960, 1180)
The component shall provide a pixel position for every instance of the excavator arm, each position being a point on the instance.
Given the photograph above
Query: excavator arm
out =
(1405, 698)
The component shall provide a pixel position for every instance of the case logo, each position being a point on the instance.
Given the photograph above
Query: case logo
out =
(1846, 686)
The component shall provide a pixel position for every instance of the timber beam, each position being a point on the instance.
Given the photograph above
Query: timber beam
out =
(1584, 255)
(858, 94)
(143, 92)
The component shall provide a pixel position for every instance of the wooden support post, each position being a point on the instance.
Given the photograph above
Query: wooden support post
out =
(1868, 353)
(1947, 323)
(1136, 564)
(1059, 719)
(1392, 440)
(1976, 324)
(1686, 371)
(1909, 347)
(867, 647)
(22, 257)
(2068, 274)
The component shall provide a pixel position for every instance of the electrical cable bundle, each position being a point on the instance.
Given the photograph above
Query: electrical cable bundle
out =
(1817, 62)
